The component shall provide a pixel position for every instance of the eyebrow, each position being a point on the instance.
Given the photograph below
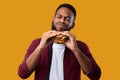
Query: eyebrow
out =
(68, 16)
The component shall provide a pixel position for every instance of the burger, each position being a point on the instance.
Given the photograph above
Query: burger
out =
(60, 39)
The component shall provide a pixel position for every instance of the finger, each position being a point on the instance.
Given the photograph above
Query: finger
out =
(67, 33)
(51, 31)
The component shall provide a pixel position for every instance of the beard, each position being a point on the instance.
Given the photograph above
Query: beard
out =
(54, 28)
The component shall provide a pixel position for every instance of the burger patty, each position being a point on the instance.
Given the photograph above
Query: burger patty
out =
(60, 39)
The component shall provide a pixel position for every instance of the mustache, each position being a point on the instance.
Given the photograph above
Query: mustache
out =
(62, 24)
(54, 27)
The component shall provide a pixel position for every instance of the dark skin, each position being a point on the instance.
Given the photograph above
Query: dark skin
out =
(63, 21)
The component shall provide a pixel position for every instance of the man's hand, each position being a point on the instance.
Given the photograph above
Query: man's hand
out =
(32, 60)
(45, 39)
(71, 42)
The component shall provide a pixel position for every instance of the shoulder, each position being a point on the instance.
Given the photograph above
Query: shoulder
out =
(82, 45)
(84, 48)
(34, 43)
(37, 40)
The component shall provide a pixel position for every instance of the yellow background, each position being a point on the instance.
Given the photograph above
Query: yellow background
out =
(97, 24)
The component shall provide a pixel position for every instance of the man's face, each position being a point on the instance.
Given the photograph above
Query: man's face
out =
(63, 19)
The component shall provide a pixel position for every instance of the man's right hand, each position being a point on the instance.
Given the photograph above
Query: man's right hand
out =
(45, 39)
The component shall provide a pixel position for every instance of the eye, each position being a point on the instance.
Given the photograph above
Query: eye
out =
(58, 16)
(67, 18)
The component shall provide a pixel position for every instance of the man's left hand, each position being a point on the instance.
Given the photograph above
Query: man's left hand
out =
(71, 42)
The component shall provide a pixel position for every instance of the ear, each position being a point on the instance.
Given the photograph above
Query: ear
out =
(53, 18)
(72, 25)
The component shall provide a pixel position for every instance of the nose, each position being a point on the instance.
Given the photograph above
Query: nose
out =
(62, 20)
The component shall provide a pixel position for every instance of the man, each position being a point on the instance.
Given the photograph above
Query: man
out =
(53, 61)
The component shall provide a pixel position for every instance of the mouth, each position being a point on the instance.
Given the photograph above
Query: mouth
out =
(61, 25)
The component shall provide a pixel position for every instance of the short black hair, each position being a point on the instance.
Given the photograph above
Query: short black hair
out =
(69, 6)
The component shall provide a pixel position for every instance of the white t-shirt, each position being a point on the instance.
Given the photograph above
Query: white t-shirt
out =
(56, 71)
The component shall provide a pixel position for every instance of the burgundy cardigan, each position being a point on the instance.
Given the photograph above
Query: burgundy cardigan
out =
(72, 69)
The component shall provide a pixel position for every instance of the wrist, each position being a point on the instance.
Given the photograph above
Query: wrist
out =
(40, 48)
(75, 50)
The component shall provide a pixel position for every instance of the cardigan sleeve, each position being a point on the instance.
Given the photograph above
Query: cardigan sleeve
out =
(95, 72)
(23, 70)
